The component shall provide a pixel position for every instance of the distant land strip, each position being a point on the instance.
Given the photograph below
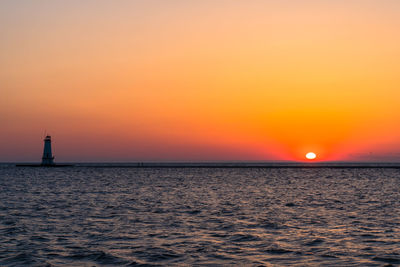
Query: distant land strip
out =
(342, 165)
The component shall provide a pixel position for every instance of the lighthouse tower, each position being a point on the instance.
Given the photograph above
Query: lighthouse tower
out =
(47, 159)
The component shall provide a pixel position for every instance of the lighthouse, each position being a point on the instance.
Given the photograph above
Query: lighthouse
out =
(47, 159)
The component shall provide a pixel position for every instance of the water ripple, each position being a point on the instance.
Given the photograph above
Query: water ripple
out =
(211, 217)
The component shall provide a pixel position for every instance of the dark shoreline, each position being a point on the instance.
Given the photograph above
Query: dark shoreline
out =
(45, 166)
(218, 165)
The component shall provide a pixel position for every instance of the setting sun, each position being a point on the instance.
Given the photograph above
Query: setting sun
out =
(311, 155)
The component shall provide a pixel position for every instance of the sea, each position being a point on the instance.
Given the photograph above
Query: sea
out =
(170, 216)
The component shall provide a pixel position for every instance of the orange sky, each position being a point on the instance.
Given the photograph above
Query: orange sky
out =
(200, 80)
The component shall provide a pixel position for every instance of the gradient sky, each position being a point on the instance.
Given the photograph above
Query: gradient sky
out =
(200, 80)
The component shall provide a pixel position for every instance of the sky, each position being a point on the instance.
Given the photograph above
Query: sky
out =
(176, 80)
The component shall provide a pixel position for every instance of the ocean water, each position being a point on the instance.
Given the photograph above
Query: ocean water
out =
(85, 216)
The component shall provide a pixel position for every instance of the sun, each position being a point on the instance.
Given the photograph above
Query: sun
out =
(311, 155)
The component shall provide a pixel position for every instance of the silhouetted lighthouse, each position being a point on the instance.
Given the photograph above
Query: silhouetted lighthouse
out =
(47, 159)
